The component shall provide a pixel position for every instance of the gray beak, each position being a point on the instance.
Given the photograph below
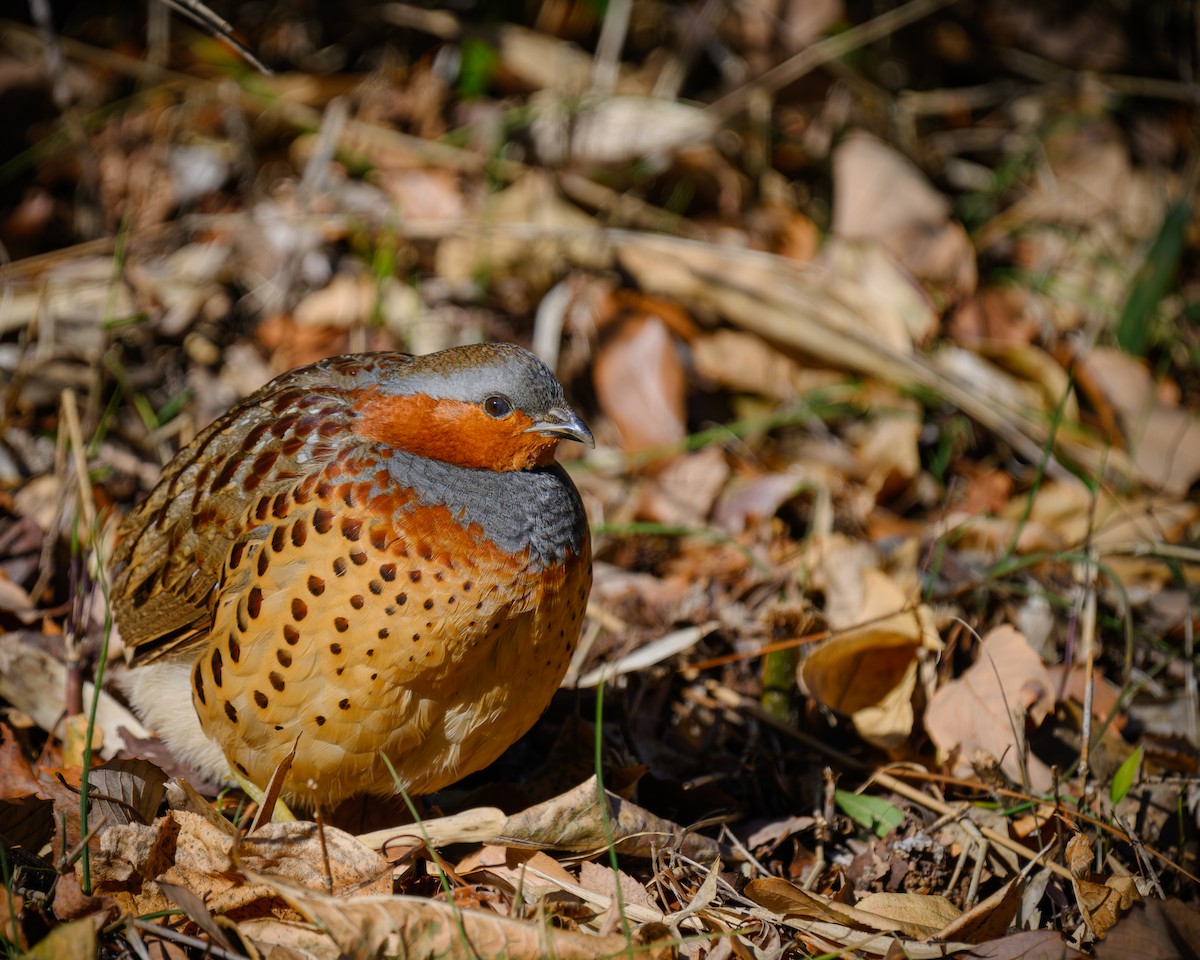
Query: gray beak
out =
(565, 423)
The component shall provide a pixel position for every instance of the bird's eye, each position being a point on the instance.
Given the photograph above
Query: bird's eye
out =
(497, 407)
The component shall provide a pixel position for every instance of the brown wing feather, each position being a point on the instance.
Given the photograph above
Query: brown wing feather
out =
(173, 547)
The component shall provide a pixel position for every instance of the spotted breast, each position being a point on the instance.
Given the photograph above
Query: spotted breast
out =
(372, 557)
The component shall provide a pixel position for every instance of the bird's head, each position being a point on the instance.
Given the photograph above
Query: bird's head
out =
(487, 406)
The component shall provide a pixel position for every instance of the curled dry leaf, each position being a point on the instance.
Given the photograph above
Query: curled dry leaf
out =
(987, 708)
(1102, 904)
(573, 821)
(870, 671)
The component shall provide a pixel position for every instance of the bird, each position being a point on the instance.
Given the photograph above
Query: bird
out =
(374, 561)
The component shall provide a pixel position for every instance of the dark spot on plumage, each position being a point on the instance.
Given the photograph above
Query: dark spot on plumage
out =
(292, 446)
(341, 625)
(378, 538)
(320, 721)
(388, 572)
(198, 682)
(439, 576)
(291, 634)
(370, 651)
(235, 649)
(322, 520)
(424, 551)
(390, 610)
(323, 490)
(279, 539)
(262, 509)
(383, 633)
(402, 598)
(351, 528)
(284, 658)
(452, 599)
(416, 636)
(414, 576)
(344, 704)
(235, 554)
(316, 586)
(340, 670)
(328, 430)
(299, 533)
(376, 587)
(264, 561)
(286, 399)
(242, 770)
(339, 566)
(261, 699)
(284, 424)
(428, 624)
(467, 586)
(306, 425)
(231, 712)
(357, 601)
(221, 480)
(280, 507)
(264, 462)
(303, 491)
(358, 557)
(299, 609)
(278, 728)
(428, 604)
(254, 435)
(335, 649)
(242, 621)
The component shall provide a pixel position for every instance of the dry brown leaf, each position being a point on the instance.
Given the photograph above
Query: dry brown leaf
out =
(788, 900)
(987, 708)
(684, 491)
(617, 129)
(880, 195)
(1164, 439)
(640, 383)
(573, 821)
(987, 919)
(1101, 904)
(870, 671)
(745, 363)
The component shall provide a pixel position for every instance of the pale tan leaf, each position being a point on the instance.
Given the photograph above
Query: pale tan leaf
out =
(987, 708)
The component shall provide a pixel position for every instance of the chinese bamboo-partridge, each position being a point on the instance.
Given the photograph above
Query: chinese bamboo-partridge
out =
(372, 556)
